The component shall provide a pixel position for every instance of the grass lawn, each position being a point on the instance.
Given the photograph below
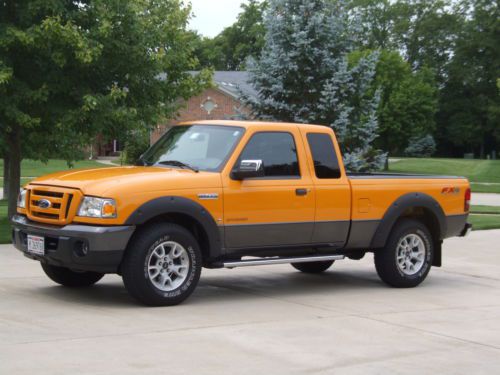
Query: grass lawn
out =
(4, 223)
(493, 210)
(31, 168)
(474, 170)
(485, 217)
(482, 222)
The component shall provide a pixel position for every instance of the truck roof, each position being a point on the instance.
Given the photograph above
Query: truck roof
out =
(248, 124)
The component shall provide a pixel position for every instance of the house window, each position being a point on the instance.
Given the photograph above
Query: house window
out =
(209, 105)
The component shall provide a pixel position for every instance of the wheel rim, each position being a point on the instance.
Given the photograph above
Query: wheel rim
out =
(168, 266)
(410, 256)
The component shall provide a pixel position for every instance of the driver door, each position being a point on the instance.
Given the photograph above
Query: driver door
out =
(277, 208)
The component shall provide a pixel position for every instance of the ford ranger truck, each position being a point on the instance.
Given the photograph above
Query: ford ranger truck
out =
(232, 194)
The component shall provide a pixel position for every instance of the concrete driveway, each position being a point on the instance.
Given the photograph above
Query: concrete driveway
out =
(263, 320)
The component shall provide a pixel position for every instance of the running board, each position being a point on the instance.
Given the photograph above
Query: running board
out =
(268, 261)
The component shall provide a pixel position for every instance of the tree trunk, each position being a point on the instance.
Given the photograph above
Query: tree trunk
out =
(6, 163)
(14, 169)
(386, 163)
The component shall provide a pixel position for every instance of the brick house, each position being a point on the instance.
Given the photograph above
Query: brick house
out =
(219, 102)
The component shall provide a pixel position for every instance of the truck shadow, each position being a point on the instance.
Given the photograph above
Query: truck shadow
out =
(227, 286)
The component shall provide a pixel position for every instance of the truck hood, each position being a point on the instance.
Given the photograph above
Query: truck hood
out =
(105, 182)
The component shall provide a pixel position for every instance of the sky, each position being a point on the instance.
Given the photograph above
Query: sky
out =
(212, 16)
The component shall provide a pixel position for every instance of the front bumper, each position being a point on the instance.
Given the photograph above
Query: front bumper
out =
(80, 247)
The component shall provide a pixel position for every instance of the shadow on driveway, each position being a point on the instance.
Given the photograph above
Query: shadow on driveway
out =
(226, 286)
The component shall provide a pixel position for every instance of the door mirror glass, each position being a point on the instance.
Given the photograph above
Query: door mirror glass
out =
(248, 169)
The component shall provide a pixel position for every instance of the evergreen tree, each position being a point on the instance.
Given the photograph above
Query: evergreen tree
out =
(303, 75)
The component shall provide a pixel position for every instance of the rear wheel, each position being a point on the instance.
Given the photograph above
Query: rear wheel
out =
(313, 267)
(67, 277)
(162, 265)
(407, 258)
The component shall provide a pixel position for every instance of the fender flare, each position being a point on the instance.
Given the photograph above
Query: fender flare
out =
(184, 206)
(397, 208)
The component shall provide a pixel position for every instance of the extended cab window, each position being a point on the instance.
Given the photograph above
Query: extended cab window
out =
(276, 150)
(326, 164)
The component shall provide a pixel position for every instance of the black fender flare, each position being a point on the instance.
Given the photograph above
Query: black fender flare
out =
(399, 206)
(180, 205)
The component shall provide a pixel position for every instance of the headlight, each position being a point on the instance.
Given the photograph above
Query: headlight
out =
(97, 207)
(21, 199)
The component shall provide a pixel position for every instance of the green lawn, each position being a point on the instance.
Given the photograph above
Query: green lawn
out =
(494, 210)
(4, 223)
(474, 170)
(482, 222)
(31, 168)
(485, 217)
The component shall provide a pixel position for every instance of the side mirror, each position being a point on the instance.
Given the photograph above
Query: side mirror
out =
(248, 169)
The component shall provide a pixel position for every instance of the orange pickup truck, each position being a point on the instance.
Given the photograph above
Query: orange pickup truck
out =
(231, 194)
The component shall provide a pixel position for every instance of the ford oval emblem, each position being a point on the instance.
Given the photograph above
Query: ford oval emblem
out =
(44, 203)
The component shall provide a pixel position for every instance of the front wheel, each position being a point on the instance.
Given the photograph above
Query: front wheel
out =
(407, 257)
(67, 277)
(162, 265)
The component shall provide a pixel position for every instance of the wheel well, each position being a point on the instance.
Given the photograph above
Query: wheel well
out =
(425, 216)
(189, 223)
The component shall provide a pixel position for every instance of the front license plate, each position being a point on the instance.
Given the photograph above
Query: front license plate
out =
(36, 245)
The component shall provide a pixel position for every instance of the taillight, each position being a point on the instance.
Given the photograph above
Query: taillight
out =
(467, 200)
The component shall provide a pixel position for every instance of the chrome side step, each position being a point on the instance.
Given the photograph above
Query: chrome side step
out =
(277, 260)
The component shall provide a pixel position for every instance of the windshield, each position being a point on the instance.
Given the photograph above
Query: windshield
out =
(200, 147)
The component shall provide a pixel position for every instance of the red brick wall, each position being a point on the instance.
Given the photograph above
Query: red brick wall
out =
(193, 110)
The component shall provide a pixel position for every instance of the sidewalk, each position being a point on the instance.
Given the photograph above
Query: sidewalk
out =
(485, 199)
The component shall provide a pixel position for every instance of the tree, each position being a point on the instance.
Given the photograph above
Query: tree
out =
(72, 69)
(470, 104)
(303, 75)
(235, 44)
(376, 18)
(426, 31)
(408, 100)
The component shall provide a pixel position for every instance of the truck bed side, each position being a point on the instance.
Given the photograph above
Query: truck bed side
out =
(379, 200)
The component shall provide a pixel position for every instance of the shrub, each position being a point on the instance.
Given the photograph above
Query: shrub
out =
(135, 146)
(421, 147)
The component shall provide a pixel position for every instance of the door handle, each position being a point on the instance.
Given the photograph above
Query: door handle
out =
(301, 192)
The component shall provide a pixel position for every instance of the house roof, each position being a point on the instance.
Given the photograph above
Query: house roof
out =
(230, 82)
(234, 82)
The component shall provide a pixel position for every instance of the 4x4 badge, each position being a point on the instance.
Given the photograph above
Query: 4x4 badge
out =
(208, 196)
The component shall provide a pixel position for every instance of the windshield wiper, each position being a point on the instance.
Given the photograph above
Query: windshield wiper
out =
(178, 163)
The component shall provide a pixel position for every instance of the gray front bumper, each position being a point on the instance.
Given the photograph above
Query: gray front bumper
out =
(105, 245)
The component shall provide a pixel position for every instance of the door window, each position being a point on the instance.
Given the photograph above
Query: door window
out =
(277, 151)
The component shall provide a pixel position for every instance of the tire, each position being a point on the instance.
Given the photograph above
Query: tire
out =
(411, 241)
(157, 277)
(67, 277)
(313, 267)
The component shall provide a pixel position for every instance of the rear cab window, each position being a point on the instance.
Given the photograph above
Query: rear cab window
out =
(326, 164)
